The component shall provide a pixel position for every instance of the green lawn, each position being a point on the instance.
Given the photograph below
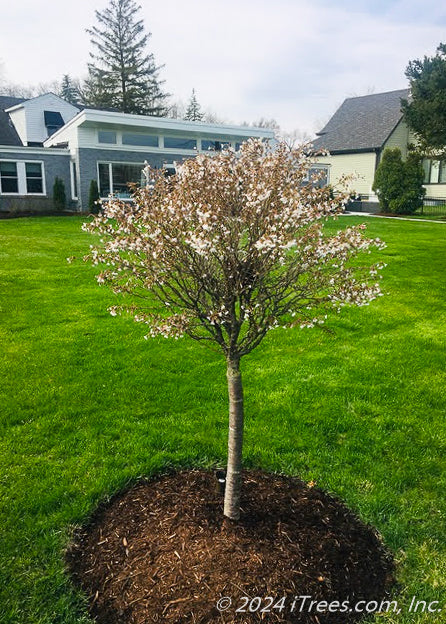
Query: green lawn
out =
(87, 406)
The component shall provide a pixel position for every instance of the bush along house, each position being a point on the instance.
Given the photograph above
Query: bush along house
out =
(45, 138)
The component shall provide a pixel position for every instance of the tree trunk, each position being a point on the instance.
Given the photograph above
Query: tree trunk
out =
(235, 441)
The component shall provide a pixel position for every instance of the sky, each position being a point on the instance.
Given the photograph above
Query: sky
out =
(291, 60)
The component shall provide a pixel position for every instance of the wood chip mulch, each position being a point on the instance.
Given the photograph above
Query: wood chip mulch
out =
(162, 552)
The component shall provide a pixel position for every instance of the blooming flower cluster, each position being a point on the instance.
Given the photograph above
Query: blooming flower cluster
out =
(232, 246)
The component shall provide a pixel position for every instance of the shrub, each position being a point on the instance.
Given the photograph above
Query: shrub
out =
(59, 195)
(93, 197)
(398, 183)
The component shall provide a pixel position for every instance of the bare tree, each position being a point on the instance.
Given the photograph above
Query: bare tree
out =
(229, 248)
(295, 137)
(176, 109)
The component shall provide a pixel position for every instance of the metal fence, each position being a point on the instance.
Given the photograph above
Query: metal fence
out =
(433, 207)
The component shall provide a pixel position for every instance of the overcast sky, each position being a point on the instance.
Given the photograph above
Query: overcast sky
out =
(293, 60)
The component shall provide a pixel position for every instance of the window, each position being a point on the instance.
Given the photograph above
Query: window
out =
(22, 178)
(9, 180)
(53, 121)
(122, 175)
(434, 171)
(169, 169)
(73, 181)
(238, 145)
(106, 136)
(34, 178)
(427, 170)
(147, 140)
(105, 183)
(319, 176)
(180, 143)
(213, 145)
(115, 178)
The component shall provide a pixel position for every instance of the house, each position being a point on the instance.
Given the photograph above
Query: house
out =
(46, 137)
(356, 137)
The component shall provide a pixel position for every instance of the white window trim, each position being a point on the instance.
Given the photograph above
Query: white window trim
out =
(21, 178)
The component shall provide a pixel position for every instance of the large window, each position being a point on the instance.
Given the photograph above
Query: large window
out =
(134, 138)
(115, 178)
(180, 143)
(21, 178)
(107, 136)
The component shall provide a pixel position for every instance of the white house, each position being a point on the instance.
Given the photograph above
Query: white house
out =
(356, 137)
(45, 137)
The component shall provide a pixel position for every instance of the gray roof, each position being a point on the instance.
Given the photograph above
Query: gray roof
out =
(362, 123)
(8, 134)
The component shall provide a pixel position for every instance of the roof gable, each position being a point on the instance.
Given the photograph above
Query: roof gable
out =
(362, 123)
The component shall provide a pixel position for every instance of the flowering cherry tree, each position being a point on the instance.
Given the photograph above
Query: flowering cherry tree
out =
(227, 249)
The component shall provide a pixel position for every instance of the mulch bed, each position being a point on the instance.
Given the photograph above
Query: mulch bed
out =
(162, 552)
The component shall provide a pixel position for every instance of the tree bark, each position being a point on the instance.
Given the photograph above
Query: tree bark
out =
(235, 441)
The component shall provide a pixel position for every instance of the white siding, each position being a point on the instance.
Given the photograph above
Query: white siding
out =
(399, 138)
(87, 136)
(435, 191)
(361, 166)
(36, 131)
(18, 118)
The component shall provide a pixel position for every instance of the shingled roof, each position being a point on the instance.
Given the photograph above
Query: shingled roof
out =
(8, 134)
(362, 123)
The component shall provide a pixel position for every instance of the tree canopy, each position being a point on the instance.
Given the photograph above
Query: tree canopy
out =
(122, 75)
(399, 183)
(69, 90)
(193, 111)
(425, 111)
(227, 249)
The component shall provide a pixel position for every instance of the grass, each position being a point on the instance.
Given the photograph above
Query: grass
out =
(87, 406)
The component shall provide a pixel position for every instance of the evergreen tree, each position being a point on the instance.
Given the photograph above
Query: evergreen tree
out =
(69, 90)
(425, 111)
(122, 75)
(193, 111)
(59, 195)
(398, 183)
(93, 197)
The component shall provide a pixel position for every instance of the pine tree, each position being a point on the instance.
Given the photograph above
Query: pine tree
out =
(121, 74)
(69, 90)
(193, 111)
